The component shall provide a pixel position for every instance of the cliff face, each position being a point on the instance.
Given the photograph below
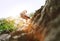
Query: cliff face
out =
(45, 24)
(46, 21)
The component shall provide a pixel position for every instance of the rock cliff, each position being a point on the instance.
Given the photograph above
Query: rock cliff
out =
(45, 24)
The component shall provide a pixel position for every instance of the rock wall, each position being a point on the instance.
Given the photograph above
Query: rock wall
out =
(46, 21)
(45, 24)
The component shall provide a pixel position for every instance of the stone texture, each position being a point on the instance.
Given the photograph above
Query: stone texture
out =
(48, 18)
(45, 23)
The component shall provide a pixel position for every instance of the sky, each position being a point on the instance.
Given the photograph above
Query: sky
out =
(14, 7)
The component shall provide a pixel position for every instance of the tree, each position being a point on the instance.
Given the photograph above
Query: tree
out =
(6, 25)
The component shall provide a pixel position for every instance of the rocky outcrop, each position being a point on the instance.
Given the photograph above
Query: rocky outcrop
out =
(47, 21)
(45, 24)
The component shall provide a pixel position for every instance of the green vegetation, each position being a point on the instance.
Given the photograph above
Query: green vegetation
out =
(31, 14)
(6, 25)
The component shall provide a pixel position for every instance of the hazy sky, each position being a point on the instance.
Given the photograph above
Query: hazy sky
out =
(14, 7)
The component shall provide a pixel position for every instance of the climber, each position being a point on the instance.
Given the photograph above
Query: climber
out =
(24, 16)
